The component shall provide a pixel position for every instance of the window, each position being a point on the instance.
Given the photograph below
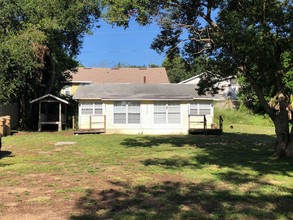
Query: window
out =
(67, 90)
(160, 112)
(126, 113)
(95, 108)
(167, 112)
(173, 113)
(133, 113)
(200, 109)
(120, 113)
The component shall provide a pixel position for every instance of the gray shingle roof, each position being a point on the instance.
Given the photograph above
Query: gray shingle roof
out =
(139, 92)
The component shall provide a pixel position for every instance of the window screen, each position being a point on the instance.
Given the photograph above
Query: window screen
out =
(166, 112)
(91, 108)
(200, 109)
(126, 113)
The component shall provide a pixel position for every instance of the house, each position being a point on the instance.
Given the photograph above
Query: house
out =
(228, 86)
(85, 75)
(142, 108)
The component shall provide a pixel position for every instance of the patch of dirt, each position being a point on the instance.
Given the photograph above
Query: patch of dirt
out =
(52, 196)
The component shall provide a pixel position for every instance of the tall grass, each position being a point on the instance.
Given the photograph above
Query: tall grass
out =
(242, 116)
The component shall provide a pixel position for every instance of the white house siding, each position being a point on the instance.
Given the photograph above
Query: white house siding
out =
(229, 88)
(147, 124)
(90, 121)
(196, 121)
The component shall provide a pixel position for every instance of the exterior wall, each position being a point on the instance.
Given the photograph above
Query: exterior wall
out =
(147, 124)
(230, 87)
(196, 121)
(72, 89)
(90, 121)
(193, 81)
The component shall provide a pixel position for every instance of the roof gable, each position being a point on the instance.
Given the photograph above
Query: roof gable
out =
(49, 96)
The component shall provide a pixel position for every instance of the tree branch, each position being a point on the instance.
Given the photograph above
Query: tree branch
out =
(259, 93)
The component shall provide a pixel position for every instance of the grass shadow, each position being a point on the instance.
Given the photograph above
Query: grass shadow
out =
(233, 150)
(4, 154)
(175, 200)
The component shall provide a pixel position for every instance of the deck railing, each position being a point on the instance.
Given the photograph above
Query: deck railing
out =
(196, 121)
(221, 122)
(89, 122)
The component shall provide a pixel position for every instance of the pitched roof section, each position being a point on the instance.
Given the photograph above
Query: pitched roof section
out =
(49, 96)
(139, 92)
(120, 75)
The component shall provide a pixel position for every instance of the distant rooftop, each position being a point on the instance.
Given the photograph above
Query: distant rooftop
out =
(120, 75)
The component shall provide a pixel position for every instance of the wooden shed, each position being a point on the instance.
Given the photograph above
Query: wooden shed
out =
(52, 111)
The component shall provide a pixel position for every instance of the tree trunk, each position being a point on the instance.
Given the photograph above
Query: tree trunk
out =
(284, 144)
(289, 152)
(52, 75)
(22, 112)
(281, 128)
(280, 118)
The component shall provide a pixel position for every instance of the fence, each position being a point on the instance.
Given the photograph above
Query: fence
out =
(5, 125)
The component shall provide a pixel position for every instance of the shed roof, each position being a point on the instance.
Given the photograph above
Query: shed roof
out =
(139, 92)
(50, 96)
(120, 75)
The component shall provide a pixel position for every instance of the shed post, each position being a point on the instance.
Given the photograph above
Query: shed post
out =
(60, 117)
(40, 117)
(2, 126)
(65, 116)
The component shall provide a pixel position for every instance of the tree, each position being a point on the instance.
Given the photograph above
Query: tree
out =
(251, 38)
(39, 41)
(178, 69)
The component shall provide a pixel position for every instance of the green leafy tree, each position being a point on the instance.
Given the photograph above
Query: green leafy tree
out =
(178, 69)
(39, 41)
(251, 38)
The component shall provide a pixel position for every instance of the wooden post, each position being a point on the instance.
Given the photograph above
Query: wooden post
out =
(7, 125)
(204, 122)
(1, 126)
(65, 116)
(90, 122)
(221, 123)
(40, 117)
(105, 122)
(73, 122)
(60, 117)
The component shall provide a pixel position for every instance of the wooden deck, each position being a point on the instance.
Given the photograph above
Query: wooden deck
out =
(205, 131)
(89, 131)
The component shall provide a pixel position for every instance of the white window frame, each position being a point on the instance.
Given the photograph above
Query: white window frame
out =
(91, 106)
(67, 89)
(201, 106)
(128, 111)
(167, 112)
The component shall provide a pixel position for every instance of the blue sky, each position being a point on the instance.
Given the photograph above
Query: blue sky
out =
(110, 45)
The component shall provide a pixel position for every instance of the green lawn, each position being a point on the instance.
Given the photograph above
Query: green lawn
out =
(233, 176)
